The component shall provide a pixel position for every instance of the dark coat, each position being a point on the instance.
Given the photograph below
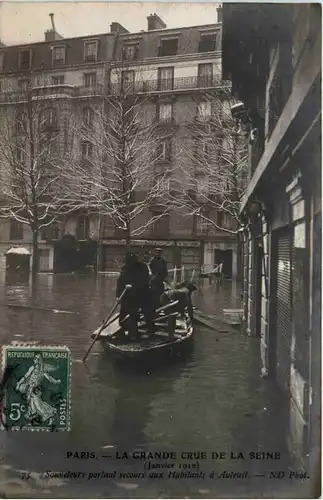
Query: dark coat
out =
(158, 266)
(137, 275)
(157, 288)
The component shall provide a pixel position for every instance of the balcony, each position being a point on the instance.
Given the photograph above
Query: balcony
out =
(93, 90)
(167, 86)
(173, 85)
(50, 92)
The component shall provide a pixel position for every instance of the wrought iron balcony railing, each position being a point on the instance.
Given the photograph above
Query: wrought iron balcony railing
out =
(97, 89)
(128, 89)
(169, 85)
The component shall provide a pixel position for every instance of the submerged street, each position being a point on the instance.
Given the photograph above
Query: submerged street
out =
(212, 400)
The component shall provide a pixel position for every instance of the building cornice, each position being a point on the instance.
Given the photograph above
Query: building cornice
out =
(137, 34)
(57, 69)
(158, 61)
(169, 31)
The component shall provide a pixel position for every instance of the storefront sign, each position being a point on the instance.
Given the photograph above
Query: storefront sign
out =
(140, 243)
(195, 244)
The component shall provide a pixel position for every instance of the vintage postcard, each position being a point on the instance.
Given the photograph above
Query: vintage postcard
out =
(160, 249)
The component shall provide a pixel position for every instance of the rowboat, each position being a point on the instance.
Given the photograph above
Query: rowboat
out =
(115, 341)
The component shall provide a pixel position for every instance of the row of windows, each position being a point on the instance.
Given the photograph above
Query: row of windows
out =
(159, 227)
(130, 51)
(165, 79)
(163, 153)
(89, 80)
(164, 150)
(58, 56)
(164, 112)
(169, 46)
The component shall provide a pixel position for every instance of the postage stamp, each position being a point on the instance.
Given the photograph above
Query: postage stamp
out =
(35, 388)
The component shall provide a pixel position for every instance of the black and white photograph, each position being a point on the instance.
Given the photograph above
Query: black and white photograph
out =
(160, 250)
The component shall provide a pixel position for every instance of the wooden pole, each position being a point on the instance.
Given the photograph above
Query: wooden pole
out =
(128, 287)
(174, 274)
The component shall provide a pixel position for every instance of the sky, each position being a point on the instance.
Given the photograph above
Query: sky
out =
(26, 22)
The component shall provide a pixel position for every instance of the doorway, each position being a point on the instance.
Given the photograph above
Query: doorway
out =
(224, 256)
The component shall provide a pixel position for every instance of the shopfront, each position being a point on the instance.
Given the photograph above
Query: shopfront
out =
(176, 253)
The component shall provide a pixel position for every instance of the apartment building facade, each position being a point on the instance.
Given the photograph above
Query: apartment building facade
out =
(176, 72)
(272, 55)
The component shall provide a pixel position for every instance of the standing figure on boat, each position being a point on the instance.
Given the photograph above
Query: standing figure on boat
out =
(135, 273)
(158, 265)
(158, 269)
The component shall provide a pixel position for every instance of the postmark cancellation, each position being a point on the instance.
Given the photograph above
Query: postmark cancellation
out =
(35, 388)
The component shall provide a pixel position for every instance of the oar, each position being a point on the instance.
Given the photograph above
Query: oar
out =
(106, 320)
(140, 324)
(160, 309)
(167, 306)
(163, 308)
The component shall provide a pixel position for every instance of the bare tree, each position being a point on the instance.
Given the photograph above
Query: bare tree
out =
(213, 165)
(31, 151)
(120, 145)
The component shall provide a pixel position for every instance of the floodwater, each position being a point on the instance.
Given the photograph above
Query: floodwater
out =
(210, 400)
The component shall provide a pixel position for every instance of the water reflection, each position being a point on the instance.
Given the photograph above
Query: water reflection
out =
(138, 388)
(199, 401)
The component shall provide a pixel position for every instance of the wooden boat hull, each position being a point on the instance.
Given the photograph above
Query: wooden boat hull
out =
(116, 343)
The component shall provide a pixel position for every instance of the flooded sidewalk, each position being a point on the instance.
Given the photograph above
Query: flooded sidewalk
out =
(210, 403)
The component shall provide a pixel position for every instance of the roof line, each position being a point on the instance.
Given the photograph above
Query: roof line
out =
(141, 33)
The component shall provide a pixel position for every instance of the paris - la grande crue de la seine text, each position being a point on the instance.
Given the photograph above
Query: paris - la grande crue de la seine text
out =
(184, 455)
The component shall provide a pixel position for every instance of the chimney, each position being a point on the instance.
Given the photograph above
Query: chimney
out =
(117, 28)
(155, 22)
(219, 12)
(51, 35)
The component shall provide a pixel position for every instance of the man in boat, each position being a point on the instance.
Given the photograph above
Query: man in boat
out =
(183, 294)
(159, 272)
(158, 265)
(186, 288)
(135, 273)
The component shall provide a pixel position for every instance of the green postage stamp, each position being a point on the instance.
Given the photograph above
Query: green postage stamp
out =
(35, 388)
